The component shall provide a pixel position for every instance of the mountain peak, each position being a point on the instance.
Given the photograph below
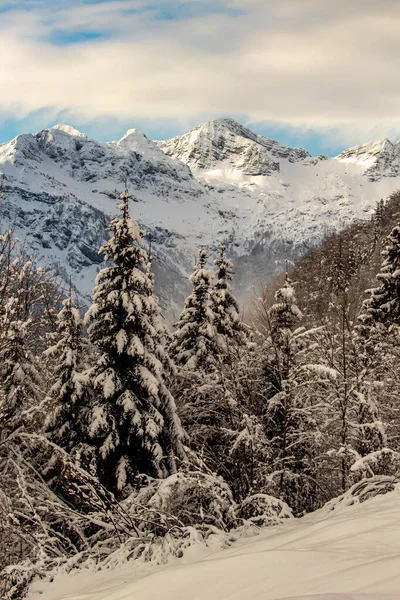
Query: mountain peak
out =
(134, 134)
(69, 130)
(368, 154)
(225, 122)
(228, 122)
(135, 140)
(223, 144)
(223, 126)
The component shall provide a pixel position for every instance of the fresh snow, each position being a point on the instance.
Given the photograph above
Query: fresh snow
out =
(349, 553)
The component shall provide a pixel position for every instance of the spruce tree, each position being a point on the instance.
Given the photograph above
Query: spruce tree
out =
(64, 421)
(285, 315)
(195, 343)
(227, 320)
(21, 383)
(383, 305)
(20, 379)
(208, 407)
(289, 415)
(133, 423)
(377, 341)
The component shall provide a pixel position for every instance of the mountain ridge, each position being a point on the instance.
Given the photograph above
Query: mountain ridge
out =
(220, 182)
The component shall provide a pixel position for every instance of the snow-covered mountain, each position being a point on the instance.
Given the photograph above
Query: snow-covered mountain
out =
(219, 182)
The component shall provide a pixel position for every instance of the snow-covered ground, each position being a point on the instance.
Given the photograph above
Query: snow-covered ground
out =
(350, 553)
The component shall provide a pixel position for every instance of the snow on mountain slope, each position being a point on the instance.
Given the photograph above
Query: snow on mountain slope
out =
(219, 182)
(350, 553)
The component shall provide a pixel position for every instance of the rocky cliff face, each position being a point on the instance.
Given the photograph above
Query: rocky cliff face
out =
(219, 182)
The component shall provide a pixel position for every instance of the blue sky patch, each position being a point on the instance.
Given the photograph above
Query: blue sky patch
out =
(63, 38)
(174, 11)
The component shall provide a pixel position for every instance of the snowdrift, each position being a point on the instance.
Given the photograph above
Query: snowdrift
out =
(348, 550)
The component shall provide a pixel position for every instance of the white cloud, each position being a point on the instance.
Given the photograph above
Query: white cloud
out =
(306, 63)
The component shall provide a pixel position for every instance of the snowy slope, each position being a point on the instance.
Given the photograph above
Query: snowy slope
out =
(219, 182)
(350, 553)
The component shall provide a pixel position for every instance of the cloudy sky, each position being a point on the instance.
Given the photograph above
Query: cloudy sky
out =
(322, 74)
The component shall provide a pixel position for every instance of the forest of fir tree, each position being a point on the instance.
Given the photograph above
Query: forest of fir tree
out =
(121, 440)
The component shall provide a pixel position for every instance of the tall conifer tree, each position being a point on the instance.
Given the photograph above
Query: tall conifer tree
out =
(289, 417)
(227, 320)
(133, 422)
(67, 414)
(195, 343)
(383, 305)
(21, 383)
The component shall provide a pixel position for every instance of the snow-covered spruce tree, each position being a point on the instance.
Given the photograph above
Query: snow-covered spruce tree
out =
(205, 394)
(284, 316)
(290, 414)
(20, 380)
(28, 294)
(378, 329)
(378, 343)
(195, 343)
(383, 304)
(67, 410)
(379, 388)
(132, 425)
(22, 384)
(225, 307)
(8, 249)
